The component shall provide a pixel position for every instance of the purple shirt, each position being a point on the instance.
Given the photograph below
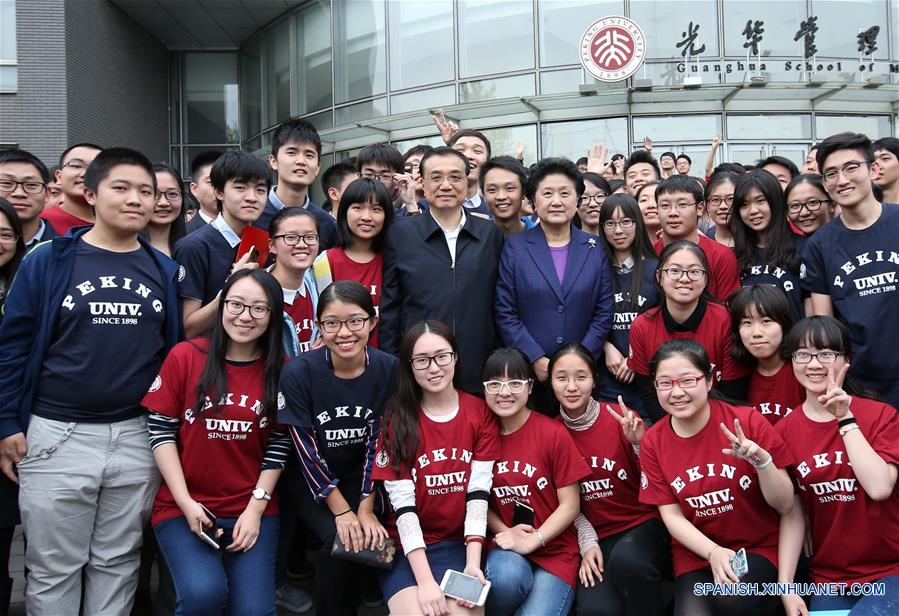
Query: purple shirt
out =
(560, 260)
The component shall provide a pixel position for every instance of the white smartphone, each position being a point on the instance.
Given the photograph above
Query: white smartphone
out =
(466, 587)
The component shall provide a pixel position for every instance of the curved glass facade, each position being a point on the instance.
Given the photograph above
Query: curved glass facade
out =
(364, 71)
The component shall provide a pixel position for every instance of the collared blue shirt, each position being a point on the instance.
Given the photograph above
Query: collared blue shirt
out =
(226, 231)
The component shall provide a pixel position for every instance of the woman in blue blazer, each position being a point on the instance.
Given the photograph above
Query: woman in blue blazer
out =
(554, 283)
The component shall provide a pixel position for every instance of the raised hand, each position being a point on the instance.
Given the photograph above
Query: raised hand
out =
(519, 150)
(447, 128)
(631, 423)
(597, 159)
(743, 448)
(717, 141)
(835, 399)
(647, 144)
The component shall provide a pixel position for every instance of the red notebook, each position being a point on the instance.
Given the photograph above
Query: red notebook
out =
(254, 238)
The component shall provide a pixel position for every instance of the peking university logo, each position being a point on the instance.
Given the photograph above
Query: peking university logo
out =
(612, 48)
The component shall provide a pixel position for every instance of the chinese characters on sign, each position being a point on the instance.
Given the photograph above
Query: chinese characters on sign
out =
(867, 40)
(689, 42)
(753, 33)
(808, 29)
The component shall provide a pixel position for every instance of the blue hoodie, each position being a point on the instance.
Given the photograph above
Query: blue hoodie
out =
(30, 316)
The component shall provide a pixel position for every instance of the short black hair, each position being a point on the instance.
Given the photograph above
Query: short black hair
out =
(334, 175)
(507, 362)
(21, 156)
(788, 164)
(62, 157)
(768, 301)
(363, 190)
(509, 164)
(642, 156)
(598, 181)
(380, 153)
(581, 161)
(289, 212)
(680, 184)
(206, 157)
(617, 156)
(685, 157)
(238, 166)
(721, 177)
(296, 130)
(550, 166)
(421, 148)
(668, 153)
(615, 184)
(890, 144)
(99, 169)
(729, 167)
(470, 132)
(844, 141)
(443, 151)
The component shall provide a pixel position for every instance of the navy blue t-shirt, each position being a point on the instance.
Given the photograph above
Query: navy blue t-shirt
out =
(205, 259)
(860, 272)
(340, 413)
(625, 314)
(109, 340)
(781, 278)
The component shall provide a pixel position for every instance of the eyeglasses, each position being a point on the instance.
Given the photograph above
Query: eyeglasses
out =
(515, 386)
(332, 326)
(812, 205)
(8, 237)
(384, 177)
(29, 186)
(257, 311)
(410, 168)
(685, 382)
(676, 273)
(292, 239)
(441, 359)
(172, 196)
(848, 170)
(77, 165)
(716, 201)
(598, 199)
(624, 223)
(453, 178)
(683, 205)
(824, 357)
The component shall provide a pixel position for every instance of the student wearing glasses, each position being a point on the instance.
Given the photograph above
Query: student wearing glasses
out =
(74, 211)
(717, 473)
(808, 207)
(719, 199)
(166, 224)
(685, 311)
(596, 190)
(24, 183)
(332, 400)
(850, 263)
(214, 435)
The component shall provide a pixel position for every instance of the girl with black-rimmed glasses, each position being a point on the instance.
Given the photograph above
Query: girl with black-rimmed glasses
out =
(808, 207)
(332, 400)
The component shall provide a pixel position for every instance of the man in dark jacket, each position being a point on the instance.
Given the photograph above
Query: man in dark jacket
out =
(442, 265)
(87, 323)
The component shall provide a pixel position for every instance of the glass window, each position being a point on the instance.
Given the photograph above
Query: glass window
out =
(175, 99)
(781, 22)
(421, 43)
(562, 24)
(9, 78)
(840, 22)
(561, 82)
(277, 73)
(769, 126)
(490, 89)
(251, 88)
(423, 99)
(322, 121)
(667, 73)
(210, 97)
(360, 49)
(503, 141)
(677, 128)
(9, 73)
(666, 24)
(875, 126)
(574, 139)
(495, 37)
(894, 30)
(361, 111)
(431, 140)
(313, 27)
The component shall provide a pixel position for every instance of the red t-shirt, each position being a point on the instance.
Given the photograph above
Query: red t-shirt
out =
(368, 274)
(856, 539)
(537, 460)
(221, 450)
(303, 316)
(725, 273)
(718, 494)
(610, 496)
(777, 395)
(442, 467)
(61, 220)
(648, 332)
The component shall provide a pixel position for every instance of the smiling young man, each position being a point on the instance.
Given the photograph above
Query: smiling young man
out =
(850, 264)
(23, 182)
(201, 189)
(640, 169)
(503, 180)
(476, 148)
(680, 203)
(886, 168)
(74, 211)
(442, 265)
(296, 158)
(208, 256)
(87, 323)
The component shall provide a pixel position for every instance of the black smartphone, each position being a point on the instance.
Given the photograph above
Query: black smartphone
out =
(523, 515)
(209, 532)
